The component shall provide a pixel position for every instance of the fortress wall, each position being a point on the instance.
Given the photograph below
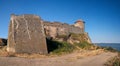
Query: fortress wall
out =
(26, 35)
(56, 28)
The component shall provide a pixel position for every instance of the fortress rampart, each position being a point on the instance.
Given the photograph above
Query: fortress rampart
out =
(56, 28)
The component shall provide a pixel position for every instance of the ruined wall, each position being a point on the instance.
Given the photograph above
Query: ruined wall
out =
(59, 31)
(55, 28)
(26, 34)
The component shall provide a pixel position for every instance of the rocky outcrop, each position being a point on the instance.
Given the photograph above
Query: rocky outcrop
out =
(3, 42)
(26, 35)
(79, 38)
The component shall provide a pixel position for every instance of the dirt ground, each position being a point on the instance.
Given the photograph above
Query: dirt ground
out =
(73, 59)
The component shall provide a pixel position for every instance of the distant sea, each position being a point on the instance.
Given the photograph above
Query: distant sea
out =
(113, 45)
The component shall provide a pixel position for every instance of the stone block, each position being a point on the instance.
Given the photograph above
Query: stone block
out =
(26, 35)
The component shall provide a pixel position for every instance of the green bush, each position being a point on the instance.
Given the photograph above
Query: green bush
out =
(56, 47)
(63, 47)
(84, 45)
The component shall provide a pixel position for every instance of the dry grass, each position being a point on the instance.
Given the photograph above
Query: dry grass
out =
(85, 53)
(4, 53)
(115, 61)
(80, 54)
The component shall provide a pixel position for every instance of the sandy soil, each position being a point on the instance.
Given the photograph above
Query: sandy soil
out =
(74, 59)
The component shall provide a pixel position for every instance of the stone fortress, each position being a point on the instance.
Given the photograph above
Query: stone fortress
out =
(28, 33)
(55, 29)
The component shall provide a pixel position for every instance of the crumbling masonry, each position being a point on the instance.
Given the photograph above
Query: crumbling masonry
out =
(27, 33)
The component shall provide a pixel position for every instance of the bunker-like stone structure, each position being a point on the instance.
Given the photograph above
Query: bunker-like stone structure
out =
(26, 35)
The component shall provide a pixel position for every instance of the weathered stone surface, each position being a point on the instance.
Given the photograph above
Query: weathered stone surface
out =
(79, 38)
(26, 35)
(61, 31)
(54, 29)
(3, 42)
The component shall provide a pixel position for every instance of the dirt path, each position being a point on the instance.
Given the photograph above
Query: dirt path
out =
(67, 60)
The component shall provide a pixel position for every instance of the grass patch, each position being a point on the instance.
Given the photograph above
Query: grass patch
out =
(84, 45)
(55, 47)
(64, 47)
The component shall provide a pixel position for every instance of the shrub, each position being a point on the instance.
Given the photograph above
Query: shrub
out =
(56, 47)
(84, 45)
(64, 47)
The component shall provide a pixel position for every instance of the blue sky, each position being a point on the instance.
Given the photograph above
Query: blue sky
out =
(102, 17)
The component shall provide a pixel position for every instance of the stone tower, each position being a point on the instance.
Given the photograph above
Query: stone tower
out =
(26, 35)
(81, 24)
